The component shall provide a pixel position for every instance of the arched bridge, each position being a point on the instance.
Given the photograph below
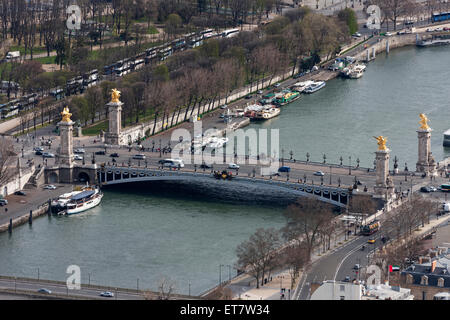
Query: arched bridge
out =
(112, 175)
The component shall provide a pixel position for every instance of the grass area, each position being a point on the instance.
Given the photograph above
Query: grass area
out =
(46, 60)
(152, 30)
(21, 49)
(95, 129)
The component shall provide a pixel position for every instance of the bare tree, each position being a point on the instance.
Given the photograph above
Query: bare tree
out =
(256, 256)
(305, 220)
(6, 159)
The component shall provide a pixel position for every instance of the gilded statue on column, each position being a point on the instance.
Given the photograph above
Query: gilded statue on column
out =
(423, 121)
(66, 115)
(381, 142)
(115, 96)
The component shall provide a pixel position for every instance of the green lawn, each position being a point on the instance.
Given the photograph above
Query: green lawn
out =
(95, 129)
(152, 30)
(46, 60)
(36, 50)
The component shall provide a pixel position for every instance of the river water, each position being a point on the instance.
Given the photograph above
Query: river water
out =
(152, 234)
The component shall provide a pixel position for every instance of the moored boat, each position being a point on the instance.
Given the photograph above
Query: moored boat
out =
(301, 86)
(286, 98)
(266, 114)
(316, 86)
(83, 201)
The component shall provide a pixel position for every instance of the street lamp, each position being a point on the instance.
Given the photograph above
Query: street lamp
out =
(291, 153)
(160, 150)
(282, 157)
(357, 161)
(350, 165)
(330, 174)
(324, 158)
(307, 157)
(340, 158)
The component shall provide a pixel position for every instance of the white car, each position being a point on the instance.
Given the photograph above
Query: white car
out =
(233, 166)
(430, 29)
(79, 151)
(50, 187)
(389, 34)
(107, 294)
(260, 92)
(319, 173)
(357, 35)
(276, 85)
(77, 157)
(438, 29)
(356, 266)
(223, 106)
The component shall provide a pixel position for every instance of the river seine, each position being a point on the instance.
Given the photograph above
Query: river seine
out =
(142, 237)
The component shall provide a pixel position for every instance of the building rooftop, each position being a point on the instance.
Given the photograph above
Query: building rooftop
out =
(387, 292)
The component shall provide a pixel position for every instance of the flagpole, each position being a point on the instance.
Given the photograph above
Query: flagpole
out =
(389, 272)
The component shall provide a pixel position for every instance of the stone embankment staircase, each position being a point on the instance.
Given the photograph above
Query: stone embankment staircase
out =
(35, 180)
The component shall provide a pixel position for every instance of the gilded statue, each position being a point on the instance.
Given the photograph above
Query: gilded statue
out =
(423, 121)
(66, 115)
(381, 142)
(115, 95)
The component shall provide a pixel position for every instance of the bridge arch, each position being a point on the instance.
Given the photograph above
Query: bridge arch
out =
(83, 177)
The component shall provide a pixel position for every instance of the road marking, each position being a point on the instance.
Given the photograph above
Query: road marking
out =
(342, 261)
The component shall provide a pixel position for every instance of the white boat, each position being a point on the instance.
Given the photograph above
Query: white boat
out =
(316, 86)
(83, 201)
(59, 205)
(356, 74)
(267, 114)
(301, 86)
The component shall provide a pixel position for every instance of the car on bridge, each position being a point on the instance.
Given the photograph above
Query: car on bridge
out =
(79, 150)
(284, 169)
(44, 290)
(38, 153)
(39, 149)
(139, 157)
(319, 173)
(77, 157)
(114, 155)
(107, 294)
(233, 166)
(425, 189)
(100, 153)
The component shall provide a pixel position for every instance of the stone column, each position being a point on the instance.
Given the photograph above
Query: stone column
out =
(425, 162)
(383, 185)
(115, 123)
(65, 156)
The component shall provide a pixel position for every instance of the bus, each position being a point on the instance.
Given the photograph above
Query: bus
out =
(172, 163)
(437, 17)
(370, 228)
(230, 33)
(445, 187)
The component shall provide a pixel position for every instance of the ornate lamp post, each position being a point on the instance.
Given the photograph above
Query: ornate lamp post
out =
(330, 174)
(304, 178)
(340, 158)
(324, 158)
(282, 157)
(291, 153)
(160, 149)
(350, 165)
(339, 181)
(307, 157)
(357, 161)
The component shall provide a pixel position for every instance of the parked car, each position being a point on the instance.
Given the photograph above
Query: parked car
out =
(347, 279)
(425, 189)
(50, 187)
(100, 153)
(357, 35)
(430, 30)
(276, 85)
(388, 34)
(224, 106)
(205, 166)
(139, 157)
(20, 193)
(3, 202)
(79, 150)
(44, 290)
(77, 157)
(114, 155)
(38, 153)
(433, 189)
(249, 96)
(38, 149)
(260, 92)
(438, 29)
(319, 173)
(48, 155)
(107, 294)
(284, 169)
(233, 166)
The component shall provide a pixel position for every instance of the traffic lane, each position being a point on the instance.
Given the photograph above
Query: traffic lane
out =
(325, 268)
(63, 290)
(244, 170)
